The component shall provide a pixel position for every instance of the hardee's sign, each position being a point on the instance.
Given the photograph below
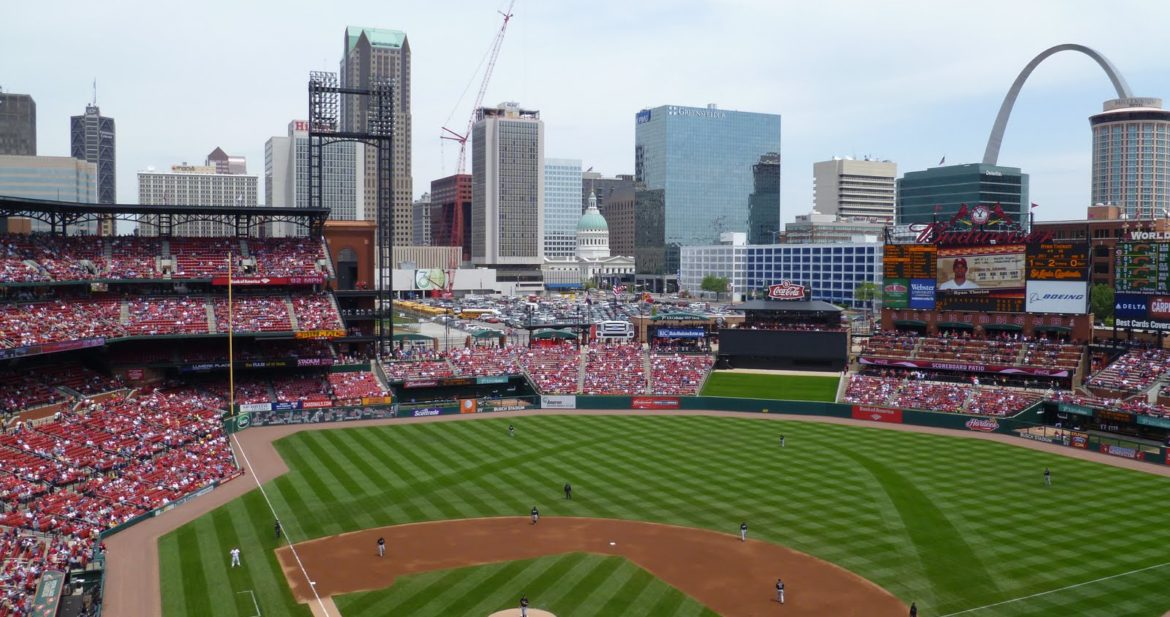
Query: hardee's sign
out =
(786, 291)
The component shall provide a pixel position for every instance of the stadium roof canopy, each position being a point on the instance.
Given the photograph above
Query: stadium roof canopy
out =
(551, 334)
(59, 214)
(412, 336)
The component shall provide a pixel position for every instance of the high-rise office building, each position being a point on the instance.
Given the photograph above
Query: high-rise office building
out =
(1131, 157)
(421, 215)
(54, 178)
(373, 55)
(91, 138)
(18, 124)
(764, 202)
(451, 213)
(702, 159)
(195, 185)
(938, 193)
(507, 161)
(853, 189)
(286, 176)
(562, 209)
(592, 183)
(618, 211)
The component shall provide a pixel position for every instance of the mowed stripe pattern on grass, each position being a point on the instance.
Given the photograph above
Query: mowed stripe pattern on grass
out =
(948, 522)
(780, 387)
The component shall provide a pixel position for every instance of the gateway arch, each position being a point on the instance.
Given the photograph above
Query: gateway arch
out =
(991, 154)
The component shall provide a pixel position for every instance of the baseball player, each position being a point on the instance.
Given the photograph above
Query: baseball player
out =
(535, 515)
(568, 491)
(381, 547)
(523, 606)
(1047, 477)
(781, 440)
(511, 431)
(780, 591)
(913, 610)
(743, 532)
(235, 553)
(276, 528)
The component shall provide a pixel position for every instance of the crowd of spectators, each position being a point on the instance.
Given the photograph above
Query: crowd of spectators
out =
(316, 312)
(909, 391)
(150, 316)
(404, 370)
(614, 368)
(1005, 349)
(43, 258)
(678, 374)
(486, 361)
(356, 384)
(252, 314)
(36, 323)
(1133, 372)
(797, 324)
(554, 369)
(94, 468)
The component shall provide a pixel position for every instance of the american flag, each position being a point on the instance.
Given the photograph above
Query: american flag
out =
(619, 290)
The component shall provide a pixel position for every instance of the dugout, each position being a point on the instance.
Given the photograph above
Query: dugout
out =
(786, 335)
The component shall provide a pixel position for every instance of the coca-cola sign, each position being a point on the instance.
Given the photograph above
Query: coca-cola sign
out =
(786, 291)
(987, 425)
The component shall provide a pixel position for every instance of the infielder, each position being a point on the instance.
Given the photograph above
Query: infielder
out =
(381, 547)
(743, 532)
(535, 515)
(780, 591)
(913, 610)
(235, 552)
(276, 528)
(523, 606)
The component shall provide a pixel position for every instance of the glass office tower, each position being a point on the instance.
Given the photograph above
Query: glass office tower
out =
(702, 159)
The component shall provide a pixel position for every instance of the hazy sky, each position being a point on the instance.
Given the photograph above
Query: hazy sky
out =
(908, 81)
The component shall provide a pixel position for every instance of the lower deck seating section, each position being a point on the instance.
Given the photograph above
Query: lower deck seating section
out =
(907, 391)
(678, 374)
(77, 378)
(300, 388)
(95, 468)
(614, 368)
(167, 315)
(486, 361)
(22, 390)
(316, 312)
(356, 384)
(253, 314)
(249, 389)
(1133, 372)
(554, 370)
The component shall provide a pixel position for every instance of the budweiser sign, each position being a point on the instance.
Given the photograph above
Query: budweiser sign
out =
(942, 233)
(786, 291)
(987, 425)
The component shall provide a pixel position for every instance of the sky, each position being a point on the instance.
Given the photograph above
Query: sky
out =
(907, 81)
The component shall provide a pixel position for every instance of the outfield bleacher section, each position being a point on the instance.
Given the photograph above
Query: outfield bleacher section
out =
(910, 392)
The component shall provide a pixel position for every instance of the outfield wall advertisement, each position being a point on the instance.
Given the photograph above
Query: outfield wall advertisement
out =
(654, 402)
(567, 401)
(877, 414)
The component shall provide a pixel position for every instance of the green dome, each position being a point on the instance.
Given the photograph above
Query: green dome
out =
(592, 221)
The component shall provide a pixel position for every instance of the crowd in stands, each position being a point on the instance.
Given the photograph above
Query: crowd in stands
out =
(1006, 349)
(678, 374)
(34, 323)
(614, 368)
(43, 258)
(92, 469)
(759, 323)
(1133, 372)
(357, 384)
(908, 390)
(401, 370)
(554, 369)
(296, 387)
(486, 361)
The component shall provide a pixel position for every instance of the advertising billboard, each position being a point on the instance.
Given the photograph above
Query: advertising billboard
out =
(981, 278)
(1068, 297)
(922, 292)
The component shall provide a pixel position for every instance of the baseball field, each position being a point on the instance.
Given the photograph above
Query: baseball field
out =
(961, 526)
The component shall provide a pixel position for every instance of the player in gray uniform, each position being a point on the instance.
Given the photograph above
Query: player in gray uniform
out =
(780, 591)
(743, 532)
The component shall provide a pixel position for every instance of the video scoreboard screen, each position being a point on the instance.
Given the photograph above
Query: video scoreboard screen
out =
(914, 261)
(1143, 267)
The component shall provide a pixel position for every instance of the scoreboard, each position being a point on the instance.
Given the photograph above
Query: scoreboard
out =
(1058, 261)
(909, 261)
(1143, 267)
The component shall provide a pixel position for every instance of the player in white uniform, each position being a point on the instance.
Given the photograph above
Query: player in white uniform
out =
(235, 552)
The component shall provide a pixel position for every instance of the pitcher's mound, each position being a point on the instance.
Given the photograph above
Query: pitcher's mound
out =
(515, 612)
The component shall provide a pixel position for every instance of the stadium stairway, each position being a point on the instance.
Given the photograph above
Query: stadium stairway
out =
(582, 362)
(244, 248)
(210, 308)
(292, 314)
(327, 262)
(648, 371)
(123, 313)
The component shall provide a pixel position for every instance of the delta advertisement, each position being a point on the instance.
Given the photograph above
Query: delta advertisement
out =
(877, 414)
(1141, 311)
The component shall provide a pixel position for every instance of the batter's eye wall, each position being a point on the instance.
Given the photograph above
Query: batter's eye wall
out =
(780, 349)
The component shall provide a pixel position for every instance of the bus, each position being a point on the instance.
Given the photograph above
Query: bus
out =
(478, 313)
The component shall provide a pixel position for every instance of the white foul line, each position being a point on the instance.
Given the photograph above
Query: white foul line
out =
(249, 591)
(1044, 593)
(291, 546)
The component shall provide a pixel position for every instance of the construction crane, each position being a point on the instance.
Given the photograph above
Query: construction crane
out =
(493, 53)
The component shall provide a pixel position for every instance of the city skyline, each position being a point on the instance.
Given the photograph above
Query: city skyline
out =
(925, 85)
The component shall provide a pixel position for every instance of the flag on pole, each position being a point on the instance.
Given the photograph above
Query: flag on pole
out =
(619, 290)
(1035, 205)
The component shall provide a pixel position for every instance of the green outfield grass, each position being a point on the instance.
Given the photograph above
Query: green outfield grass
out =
(952, 523)
(782, 387)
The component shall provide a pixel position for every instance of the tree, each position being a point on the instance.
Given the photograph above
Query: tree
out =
(866, 291)
(717, 284)
(1101, 302)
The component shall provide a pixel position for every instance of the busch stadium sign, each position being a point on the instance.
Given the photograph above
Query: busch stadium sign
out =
(786, 291)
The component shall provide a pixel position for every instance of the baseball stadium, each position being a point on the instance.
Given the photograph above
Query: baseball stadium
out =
(172, 401)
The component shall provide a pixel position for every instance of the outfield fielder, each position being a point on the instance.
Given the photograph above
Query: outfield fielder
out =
(381, 547)
(743, 532)
(235, 552)
(535, 515)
